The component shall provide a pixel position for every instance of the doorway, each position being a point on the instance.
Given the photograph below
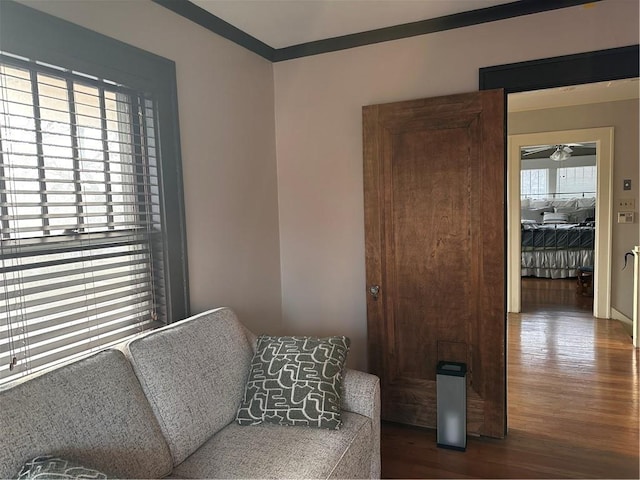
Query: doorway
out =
(562, 71)
(558, 194)
(603, 138)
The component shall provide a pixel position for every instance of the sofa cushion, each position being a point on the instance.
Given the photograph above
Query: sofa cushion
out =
(295, 381)
(193, 373)
(92, 412)
(48, 466)
(275, 451)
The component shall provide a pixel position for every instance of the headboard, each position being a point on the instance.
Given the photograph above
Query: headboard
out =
(571, 210)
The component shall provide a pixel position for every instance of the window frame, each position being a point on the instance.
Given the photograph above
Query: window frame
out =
(35, 35)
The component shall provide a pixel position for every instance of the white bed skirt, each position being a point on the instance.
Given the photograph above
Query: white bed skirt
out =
(554, 263)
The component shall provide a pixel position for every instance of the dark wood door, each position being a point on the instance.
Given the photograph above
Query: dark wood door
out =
(434, 185)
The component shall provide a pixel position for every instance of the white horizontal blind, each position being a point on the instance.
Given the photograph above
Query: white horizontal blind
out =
(534, 182)
(577, 180)
(80, 224)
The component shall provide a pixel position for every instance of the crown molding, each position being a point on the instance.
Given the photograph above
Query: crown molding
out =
(424, 27)
(220, 27)
(199, 15)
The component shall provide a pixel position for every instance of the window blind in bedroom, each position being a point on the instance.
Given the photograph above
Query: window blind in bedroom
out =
(81, 242)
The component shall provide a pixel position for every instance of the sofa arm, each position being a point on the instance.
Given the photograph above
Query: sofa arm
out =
(361, 394)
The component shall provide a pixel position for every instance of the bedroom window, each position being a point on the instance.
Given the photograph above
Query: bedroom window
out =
(578, 180)
(534, 182)
(81, 236)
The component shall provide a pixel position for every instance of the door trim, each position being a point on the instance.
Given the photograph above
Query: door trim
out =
(604, 161)
(589, 67)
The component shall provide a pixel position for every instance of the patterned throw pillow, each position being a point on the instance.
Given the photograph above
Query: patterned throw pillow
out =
(49, 467)
(295, 381)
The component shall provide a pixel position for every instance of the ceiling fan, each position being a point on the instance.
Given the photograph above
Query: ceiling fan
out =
(558, 152)
(562, 153)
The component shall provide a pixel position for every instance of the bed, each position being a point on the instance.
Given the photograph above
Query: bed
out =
(557, 237)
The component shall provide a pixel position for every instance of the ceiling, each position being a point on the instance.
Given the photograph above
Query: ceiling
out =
(535, 152)
(599, 92)
(283, 23)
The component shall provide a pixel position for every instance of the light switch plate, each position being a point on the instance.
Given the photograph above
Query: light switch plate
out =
(625, 217)
(626, 184)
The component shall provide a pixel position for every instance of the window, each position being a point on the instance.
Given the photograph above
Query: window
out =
(559, 182)
(80, 215)
(92, 237)
(534, 182)
(578, 180)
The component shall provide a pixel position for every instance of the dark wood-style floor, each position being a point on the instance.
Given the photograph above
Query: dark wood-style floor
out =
(573, 395)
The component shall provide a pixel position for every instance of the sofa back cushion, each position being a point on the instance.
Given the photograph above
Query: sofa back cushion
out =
(194, 373)
(92, 412)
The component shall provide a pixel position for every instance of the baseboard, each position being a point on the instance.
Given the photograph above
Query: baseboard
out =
(622, 318)
(616, 315)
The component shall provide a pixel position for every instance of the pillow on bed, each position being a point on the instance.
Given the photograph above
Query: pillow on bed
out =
(564, 206)
(586, 202)
(534, 214)
(582, 214)
(535, 204)
(553, 217)
(566, 210)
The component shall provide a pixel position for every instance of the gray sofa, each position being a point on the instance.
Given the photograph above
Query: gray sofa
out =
(165, 405)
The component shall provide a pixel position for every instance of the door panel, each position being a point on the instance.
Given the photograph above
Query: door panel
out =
(434, 217)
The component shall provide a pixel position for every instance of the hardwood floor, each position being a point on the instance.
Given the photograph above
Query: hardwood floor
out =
(573, 395)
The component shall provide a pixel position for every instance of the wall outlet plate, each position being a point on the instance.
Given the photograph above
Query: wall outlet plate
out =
(627, 204)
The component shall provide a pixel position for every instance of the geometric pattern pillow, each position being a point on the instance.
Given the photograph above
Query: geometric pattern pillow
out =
(295, 381)
(48, 467)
